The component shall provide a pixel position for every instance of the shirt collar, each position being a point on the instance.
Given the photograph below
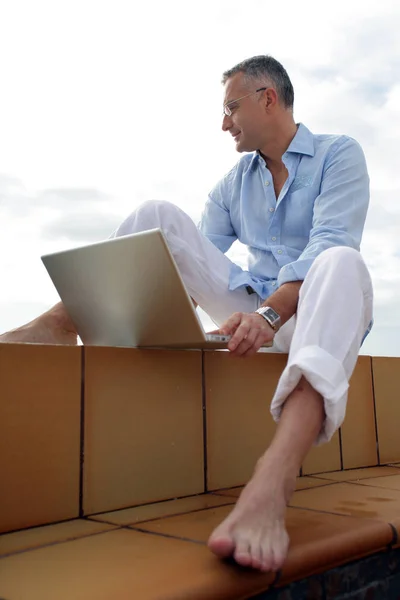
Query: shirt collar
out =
(302, 143)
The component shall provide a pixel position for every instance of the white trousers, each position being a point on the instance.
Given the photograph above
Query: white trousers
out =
(324, 337)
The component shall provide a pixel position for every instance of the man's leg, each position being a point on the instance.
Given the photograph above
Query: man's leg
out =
(335, 309)
(52, 327)
(205, 271)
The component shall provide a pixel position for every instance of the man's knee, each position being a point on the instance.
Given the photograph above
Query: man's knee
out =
(151, 214)
(342, 263)
(339, 256)
(155, 210)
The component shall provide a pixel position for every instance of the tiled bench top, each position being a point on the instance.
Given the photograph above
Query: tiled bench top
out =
(159, 551)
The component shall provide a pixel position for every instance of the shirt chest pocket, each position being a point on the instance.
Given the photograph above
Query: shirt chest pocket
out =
(300, 182)
(297, 217)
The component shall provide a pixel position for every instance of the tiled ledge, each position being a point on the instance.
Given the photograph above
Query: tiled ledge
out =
(158, 552)
(85, 431)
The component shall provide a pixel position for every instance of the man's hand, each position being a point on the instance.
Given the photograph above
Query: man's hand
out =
(249, 332)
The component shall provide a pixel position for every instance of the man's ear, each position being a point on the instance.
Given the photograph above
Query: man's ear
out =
(271, 98)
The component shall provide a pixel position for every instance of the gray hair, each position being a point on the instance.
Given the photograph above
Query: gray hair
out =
(265, 69)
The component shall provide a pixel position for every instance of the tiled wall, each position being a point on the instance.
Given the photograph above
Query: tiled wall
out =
(90, 430)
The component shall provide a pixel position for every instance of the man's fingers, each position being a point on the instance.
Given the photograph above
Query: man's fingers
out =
(247, 343)
(240, 334)
(258, 342)
(230, 326)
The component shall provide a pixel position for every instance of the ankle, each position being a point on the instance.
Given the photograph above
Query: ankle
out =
(281, 476)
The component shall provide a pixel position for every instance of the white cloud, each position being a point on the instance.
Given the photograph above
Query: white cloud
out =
(106, 104)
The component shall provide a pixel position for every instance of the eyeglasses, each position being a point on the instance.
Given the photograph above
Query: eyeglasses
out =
(227, 110)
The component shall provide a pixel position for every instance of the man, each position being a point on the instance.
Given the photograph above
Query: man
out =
(299, 202)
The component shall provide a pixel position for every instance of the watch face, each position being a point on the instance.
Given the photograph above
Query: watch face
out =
(272, 314)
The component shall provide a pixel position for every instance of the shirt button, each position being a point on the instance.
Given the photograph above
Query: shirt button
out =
(271, 209)
(274, 283)
(279, 251)
(273, 239)
(267, 183)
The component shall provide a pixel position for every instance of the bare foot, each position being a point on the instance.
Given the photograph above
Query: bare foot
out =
(52, 327)
(254, 533)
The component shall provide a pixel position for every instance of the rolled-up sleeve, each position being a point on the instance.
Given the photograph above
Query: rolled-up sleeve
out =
(216, 222)
(339, 210)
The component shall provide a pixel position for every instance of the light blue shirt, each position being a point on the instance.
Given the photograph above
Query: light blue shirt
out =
(323, 203)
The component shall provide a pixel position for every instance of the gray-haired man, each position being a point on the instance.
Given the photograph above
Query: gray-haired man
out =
(299, 202)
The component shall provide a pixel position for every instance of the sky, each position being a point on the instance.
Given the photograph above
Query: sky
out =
(105, 104)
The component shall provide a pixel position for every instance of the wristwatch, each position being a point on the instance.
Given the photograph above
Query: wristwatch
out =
(270, 316)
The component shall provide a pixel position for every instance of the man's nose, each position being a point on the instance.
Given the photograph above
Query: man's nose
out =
(226, 123)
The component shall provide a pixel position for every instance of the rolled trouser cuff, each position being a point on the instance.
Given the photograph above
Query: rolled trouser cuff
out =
(326, 375)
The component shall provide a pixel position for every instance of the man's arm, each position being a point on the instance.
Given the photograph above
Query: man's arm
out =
(284, 301)
(338, 220)
(340, 209)
(216, 222)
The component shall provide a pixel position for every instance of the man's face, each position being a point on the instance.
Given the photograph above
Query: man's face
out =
(249, 118)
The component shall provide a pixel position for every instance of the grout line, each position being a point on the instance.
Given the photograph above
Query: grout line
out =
(341, 448)
(116, 510)
(375, 487)
(321, 473)
(337, 514)
(33, 527)
(170, 516)
(316, 487)
(395, 539)
(204, 409)
(165, 535)
(82, 434)
(59, 542)
(312, 487)
(375, 418)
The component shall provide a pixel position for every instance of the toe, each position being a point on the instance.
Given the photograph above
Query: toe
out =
(280, 551)
(242, 553)
(256, 553)
(274, 550)
(266, 556)
(221, 543)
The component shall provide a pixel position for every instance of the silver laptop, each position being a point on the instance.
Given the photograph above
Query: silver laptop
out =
(127, 291)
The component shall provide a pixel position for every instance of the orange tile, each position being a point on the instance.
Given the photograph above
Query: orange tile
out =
(143, 426)
(318, 540)
(239, 424)
(386, 383)
(122, 565)
(19, 541)
(129, 516)
(302, 483)
(39, 434)
(351, 499)
(323, 458)
(356, 474)
(358, 429)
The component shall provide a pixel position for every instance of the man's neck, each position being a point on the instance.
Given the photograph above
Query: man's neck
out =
(273, 151)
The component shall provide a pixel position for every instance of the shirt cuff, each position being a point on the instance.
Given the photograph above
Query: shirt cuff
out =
(295, 271)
